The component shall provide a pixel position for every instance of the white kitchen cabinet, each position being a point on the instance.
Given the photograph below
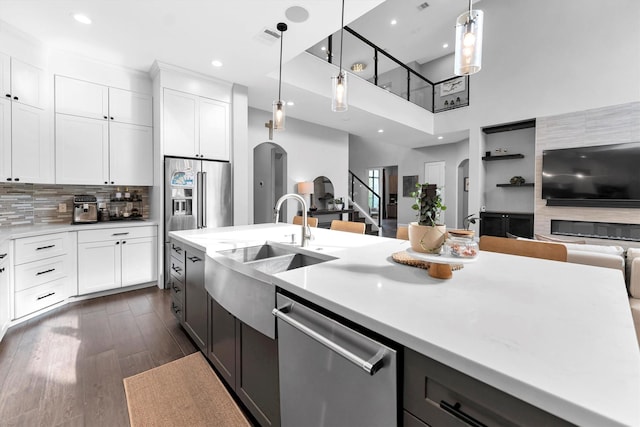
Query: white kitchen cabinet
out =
(45, 270)
(82, 150)
(115, 258)
(130, 154)
(27, 150)
(5, 290)
(108, 128)
(21, 82)
(80, 98)
(194, 126)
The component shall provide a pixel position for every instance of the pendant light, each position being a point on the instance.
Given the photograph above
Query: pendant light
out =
(278, 105)
(339, 82)
(468, 57)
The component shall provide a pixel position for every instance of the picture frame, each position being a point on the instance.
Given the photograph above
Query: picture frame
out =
(452, 86)
(409, 185)
(466, 184)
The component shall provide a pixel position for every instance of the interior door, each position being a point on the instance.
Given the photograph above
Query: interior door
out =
(434, 174)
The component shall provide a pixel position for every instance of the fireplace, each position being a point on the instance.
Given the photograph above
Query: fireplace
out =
(597, 230)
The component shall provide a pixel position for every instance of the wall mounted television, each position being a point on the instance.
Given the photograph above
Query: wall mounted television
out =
(597, 176)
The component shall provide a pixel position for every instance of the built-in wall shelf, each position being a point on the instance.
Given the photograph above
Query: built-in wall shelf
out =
(526, 184)
(504, 157)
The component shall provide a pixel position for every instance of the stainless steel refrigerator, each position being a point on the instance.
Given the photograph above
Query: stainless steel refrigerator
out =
(197, 194)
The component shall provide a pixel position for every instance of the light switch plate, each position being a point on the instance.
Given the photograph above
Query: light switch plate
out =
(62, 207)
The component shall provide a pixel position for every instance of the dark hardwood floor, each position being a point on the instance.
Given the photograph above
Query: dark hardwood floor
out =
(65, 368)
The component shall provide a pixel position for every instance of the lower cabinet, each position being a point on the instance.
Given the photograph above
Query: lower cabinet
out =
(257, 382)
(500, 223)
(222, 342)
(437, 395)
(248, 362)
(116, 257)
(44, 271)
(5, 289)
(195, 297)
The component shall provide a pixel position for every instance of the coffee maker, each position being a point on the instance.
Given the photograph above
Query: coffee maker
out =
(85, 209)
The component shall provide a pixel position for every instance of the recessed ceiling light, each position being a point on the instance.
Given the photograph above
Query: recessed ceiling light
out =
(83, 19)
(380, 130)
(290, 103)
(216, 63)
(441, 137)
(323, 48)
(394, 22)
(446, 45)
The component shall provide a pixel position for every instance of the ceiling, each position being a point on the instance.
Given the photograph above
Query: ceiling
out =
(192, 33)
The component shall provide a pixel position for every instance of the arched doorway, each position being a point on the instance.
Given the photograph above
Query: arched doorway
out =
(269, 181)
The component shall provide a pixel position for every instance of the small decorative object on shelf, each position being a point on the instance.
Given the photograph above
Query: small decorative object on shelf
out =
(517, 180)
(338, 204)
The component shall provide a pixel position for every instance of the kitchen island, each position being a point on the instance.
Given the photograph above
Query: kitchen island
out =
(558, 336)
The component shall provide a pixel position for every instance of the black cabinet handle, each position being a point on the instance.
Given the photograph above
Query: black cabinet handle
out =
(177, 249)
(120, 234)
(16, 179)
(193, 258)
(176, 269)
(3, 255)
(15, 97)
(111, 118)
(8, 95)
(105, 117)
(45, 247)
(8, 179)
(124, 241)
(45, 272)
(175, 309)
(112, 182)
(117, 243)
(46, 296)
(2, 270)
(456, 412)
(106, 182)
(176, 289)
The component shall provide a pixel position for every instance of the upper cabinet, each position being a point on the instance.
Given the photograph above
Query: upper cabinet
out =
(103, 135)
(25, 145)
(195, 126)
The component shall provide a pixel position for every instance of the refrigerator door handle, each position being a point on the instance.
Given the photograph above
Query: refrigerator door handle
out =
(203, 199)
(200, 202)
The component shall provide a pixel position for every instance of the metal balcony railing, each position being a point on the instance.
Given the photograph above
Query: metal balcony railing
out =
(369, 62)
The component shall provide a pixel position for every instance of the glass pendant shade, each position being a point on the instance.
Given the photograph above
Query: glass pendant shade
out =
(340, 99)
(278, 115)
(468, 56)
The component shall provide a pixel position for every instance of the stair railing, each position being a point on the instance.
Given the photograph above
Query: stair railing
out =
(362, 195)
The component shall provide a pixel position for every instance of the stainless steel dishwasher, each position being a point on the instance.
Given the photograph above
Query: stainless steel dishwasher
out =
(331, 375)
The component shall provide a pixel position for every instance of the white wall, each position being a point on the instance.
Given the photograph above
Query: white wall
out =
(364, 155)
(312, 151)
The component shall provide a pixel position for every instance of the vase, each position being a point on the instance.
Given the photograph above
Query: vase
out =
(427, 239)
(339, 206)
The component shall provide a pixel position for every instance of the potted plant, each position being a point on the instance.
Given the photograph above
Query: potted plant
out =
(338, 203)
(427, 235)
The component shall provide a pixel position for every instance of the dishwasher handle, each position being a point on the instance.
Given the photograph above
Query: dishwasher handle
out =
(371, 366)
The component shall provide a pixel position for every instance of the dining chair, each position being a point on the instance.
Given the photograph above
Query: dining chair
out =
(350, 226)
(311, 221)
(529, 248)
(402, 232)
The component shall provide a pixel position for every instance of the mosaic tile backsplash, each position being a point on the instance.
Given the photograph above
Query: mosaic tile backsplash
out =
(24, 204)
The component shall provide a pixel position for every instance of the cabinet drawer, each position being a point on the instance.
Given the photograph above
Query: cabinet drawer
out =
(439, 395)
(38, 272)
(116, 234)
(41, 247)
(38, 297)
(177, 269)
(177, 310)
(177, 250)
(177, 289)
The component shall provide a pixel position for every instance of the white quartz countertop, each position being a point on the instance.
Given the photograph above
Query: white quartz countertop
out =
(40, 229)
(557, 335)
